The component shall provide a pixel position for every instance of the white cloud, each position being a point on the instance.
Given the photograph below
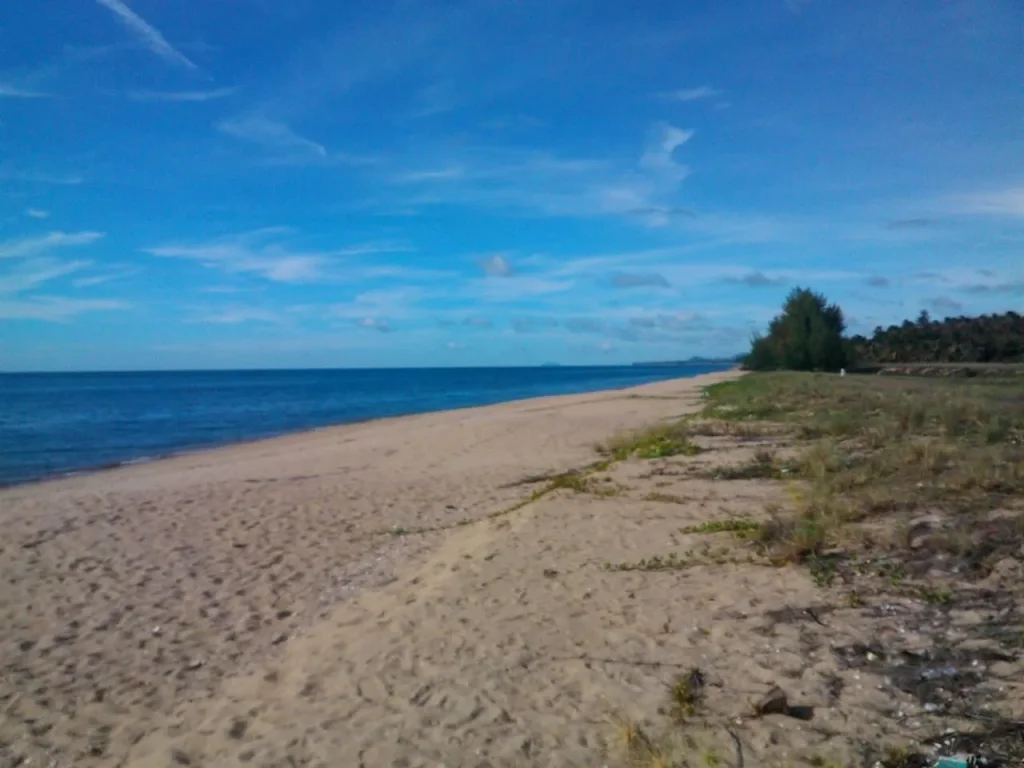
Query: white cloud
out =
(239, 315)
(516, 180)
(658, 158)
(439, 174)
(31, 273)
(29, 246)
(181, 96)
(8, 91)
(147, 34)
(54, 308)
(250, 252)
(495, 265)
(1001, 202)
(515, 288)
(375, 324)
(271, 134)
(37, 213)
(37, 177)
(692, 94)
(86, 282)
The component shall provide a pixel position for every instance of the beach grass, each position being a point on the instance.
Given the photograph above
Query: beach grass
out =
(876, 449)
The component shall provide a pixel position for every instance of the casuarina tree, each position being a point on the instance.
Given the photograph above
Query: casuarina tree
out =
(806, 336)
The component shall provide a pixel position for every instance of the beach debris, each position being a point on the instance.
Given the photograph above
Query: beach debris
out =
(193, 665)
(955, 761)
(238, 728)
(775, 702)
(156, 631)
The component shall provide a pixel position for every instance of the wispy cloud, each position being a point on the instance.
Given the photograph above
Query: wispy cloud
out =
(517, 181)
(376, 324)
(1008, 201)
(658, 157)
(639, 280)
(31, 273)
(25, 176)
(239, 315)
(753, 279)
(92, 280)
(181, 96)
(877, 281)
(899, 224)
(692, 94)
(533, 324)
(495, 265)
(271, 134)
(31, 268)
(54, 308)
(29, 246)
(37, 213)
(8, 91)
(584, 325)
(477, 321)
(945, 304)
(435, 174)
(262, 253)
(147, 34)
(1011, 287)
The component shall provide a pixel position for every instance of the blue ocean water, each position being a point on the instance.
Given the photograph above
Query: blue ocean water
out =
(52, 424)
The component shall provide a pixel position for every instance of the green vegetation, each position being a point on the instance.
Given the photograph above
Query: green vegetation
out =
(877, 447)
(654, 443)
(985, 339)
(685, 695)
(806, 336)
(740, 526)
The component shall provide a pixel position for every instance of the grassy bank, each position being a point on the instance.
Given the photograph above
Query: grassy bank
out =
(902, 493)
(876, 456)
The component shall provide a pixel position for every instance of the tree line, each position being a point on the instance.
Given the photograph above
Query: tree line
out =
(809, 334)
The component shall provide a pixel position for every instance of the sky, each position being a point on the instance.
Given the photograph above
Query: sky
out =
(268, 184)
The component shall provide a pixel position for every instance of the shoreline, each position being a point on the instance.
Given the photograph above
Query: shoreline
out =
(197, 449)
(140, 593)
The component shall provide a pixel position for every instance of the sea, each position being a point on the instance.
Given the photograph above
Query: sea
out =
(55, 424)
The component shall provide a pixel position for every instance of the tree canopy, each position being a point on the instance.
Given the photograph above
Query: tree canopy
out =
(984, 339)
(806, 336)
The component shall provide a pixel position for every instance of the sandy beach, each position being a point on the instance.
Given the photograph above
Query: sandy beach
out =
(387, 594)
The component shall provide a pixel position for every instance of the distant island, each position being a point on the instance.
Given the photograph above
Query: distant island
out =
(691, 361)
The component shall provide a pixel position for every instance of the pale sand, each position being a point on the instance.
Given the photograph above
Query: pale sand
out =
(243, 606)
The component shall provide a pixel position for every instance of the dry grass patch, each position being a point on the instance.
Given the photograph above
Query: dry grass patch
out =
(879, 449)
(657, 442)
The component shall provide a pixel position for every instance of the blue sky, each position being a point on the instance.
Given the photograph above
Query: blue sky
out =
(256, 183)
